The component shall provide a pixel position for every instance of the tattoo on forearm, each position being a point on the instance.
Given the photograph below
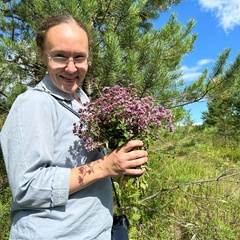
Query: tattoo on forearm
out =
(83, 171)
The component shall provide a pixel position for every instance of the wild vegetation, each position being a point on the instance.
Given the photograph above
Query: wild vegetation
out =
(191, 190)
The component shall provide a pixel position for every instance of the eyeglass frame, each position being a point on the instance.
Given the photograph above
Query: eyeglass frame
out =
(67, 60)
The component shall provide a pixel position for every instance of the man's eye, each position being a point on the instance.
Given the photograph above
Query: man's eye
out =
(59, 56)
(80, 57)
(60, 60)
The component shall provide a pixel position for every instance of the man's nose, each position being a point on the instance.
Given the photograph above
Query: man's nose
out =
(71, 67)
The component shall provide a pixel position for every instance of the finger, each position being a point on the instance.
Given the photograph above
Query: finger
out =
(136, 163)
(135, 172)
(137, 154)
(132, 144)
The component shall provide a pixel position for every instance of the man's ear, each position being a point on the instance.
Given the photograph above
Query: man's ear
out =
(42, 56)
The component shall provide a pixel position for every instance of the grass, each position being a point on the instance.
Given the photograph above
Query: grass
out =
(5, 200)
(198, 191)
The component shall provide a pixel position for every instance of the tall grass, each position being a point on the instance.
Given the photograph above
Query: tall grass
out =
(193, 190)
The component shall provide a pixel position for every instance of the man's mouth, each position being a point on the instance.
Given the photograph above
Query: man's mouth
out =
(68, 79)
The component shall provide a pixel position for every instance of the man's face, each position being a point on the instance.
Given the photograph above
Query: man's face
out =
(69, 41)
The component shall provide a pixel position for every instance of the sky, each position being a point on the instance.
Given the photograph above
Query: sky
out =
(217, 27)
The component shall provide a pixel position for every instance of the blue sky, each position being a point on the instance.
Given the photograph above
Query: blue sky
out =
(218, 28)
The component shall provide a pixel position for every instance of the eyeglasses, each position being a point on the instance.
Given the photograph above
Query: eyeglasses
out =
(63, 61)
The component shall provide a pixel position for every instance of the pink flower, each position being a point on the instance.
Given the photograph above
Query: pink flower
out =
(118, 116)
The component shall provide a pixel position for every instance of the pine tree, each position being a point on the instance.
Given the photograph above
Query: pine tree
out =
(223, 114)
(125, 47)
(224, 103)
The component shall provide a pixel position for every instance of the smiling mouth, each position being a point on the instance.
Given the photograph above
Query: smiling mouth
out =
(67, 79)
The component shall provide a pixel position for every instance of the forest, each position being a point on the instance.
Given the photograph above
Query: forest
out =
(191, 189)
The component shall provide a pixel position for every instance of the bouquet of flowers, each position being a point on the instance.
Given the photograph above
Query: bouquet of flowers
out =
(118, 116)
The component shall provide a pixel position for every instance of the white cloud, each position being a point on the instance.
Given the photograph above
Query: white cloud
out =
(192, 73)
(226, 11)
(203, 62)
(197, 124)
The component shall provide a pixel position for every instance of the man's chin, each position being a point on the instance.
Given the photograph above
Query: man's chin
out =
(69, 89)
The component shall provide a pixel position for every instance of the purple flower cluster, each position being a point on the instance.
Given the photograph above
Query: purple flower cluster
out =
(119, 116)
